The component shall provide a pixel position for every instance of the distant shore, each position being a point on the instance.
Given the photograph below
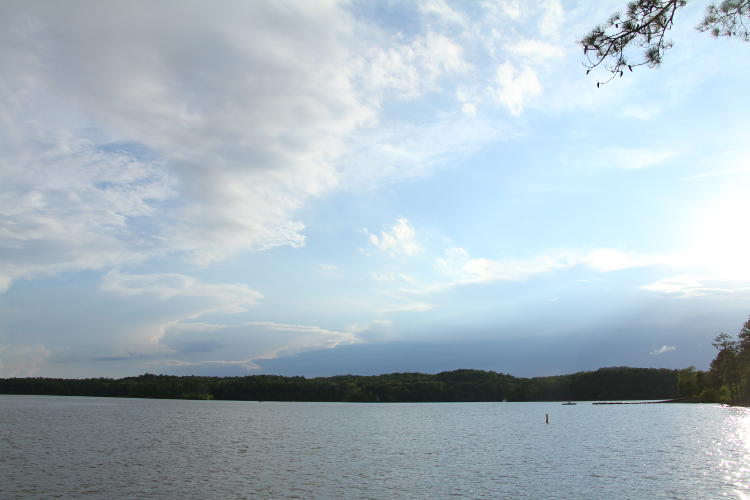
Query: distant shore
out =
(604, 384)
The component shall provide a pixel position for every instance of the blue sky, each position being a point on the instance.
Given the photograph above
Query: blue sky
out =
(317, 188)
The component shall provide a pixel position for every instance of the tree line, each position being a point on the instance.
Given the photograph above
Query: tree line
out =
(451, 386)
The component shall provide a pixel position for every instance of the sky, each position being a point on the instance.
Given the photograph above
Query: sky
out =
(332, 187)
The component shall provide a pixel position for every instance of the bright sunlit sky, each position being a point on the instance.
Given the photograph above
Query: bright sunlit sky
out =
(320, 188)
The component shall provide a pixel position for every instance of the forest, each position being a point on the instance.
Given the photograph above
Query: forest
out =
(452, 386)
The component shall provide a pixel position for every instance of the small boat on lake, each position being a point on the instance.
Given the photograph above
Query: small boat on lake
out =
(568, 403)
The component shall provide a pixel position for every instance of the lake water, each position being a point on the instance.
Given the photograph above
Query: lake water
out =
(75, 447)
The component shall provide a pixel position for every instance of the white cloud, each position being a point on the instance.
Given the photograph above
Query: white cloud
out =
(462, 269)
(514, 87)
(71, 205)
(552, 18)
(411, 69)
(459, 264)
(237, 121)
(223, 297)
(687, 286)
(663, 349)
(400, 240)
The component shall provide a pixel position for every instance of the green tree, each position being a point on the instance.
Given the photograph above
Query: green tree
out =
(689, 382)
(637, 36)
(743, 360)
(727, 364)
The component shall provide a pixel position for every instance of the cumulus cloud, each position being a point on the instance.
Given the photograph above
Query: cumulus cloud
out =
(105, 123)
(514, 87)
(663, 349)
(399, 240)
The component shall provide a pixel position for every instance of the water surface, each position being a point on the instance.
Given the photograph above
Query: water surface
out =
(74, 447)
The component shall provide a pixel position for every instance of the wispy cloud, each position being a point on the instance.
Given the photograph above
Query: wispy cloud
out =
(457, 262)
(687, 286)
(224, 297)
(462, 269)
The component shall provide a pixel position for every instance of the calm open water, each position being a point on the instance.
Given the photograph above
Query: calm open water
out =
(76, 447)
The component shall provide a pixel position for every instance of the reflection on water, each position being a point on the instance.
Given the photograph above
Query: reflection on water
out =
(734, 448)
(126, 448)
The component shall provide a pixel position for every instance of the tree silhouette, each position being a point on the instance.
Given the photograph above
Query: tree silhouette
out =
(615, 44)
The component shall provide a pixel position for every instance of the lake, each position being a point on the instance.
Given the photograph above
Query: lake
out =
(78, 447)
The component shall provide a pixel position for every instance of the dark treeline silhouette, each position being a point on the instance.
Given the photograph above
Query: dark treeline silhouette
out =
(453, 386)
(729, 377)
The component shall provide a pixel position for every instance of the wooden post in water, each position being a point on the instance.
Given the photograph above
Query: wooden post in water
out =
(546, 418)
